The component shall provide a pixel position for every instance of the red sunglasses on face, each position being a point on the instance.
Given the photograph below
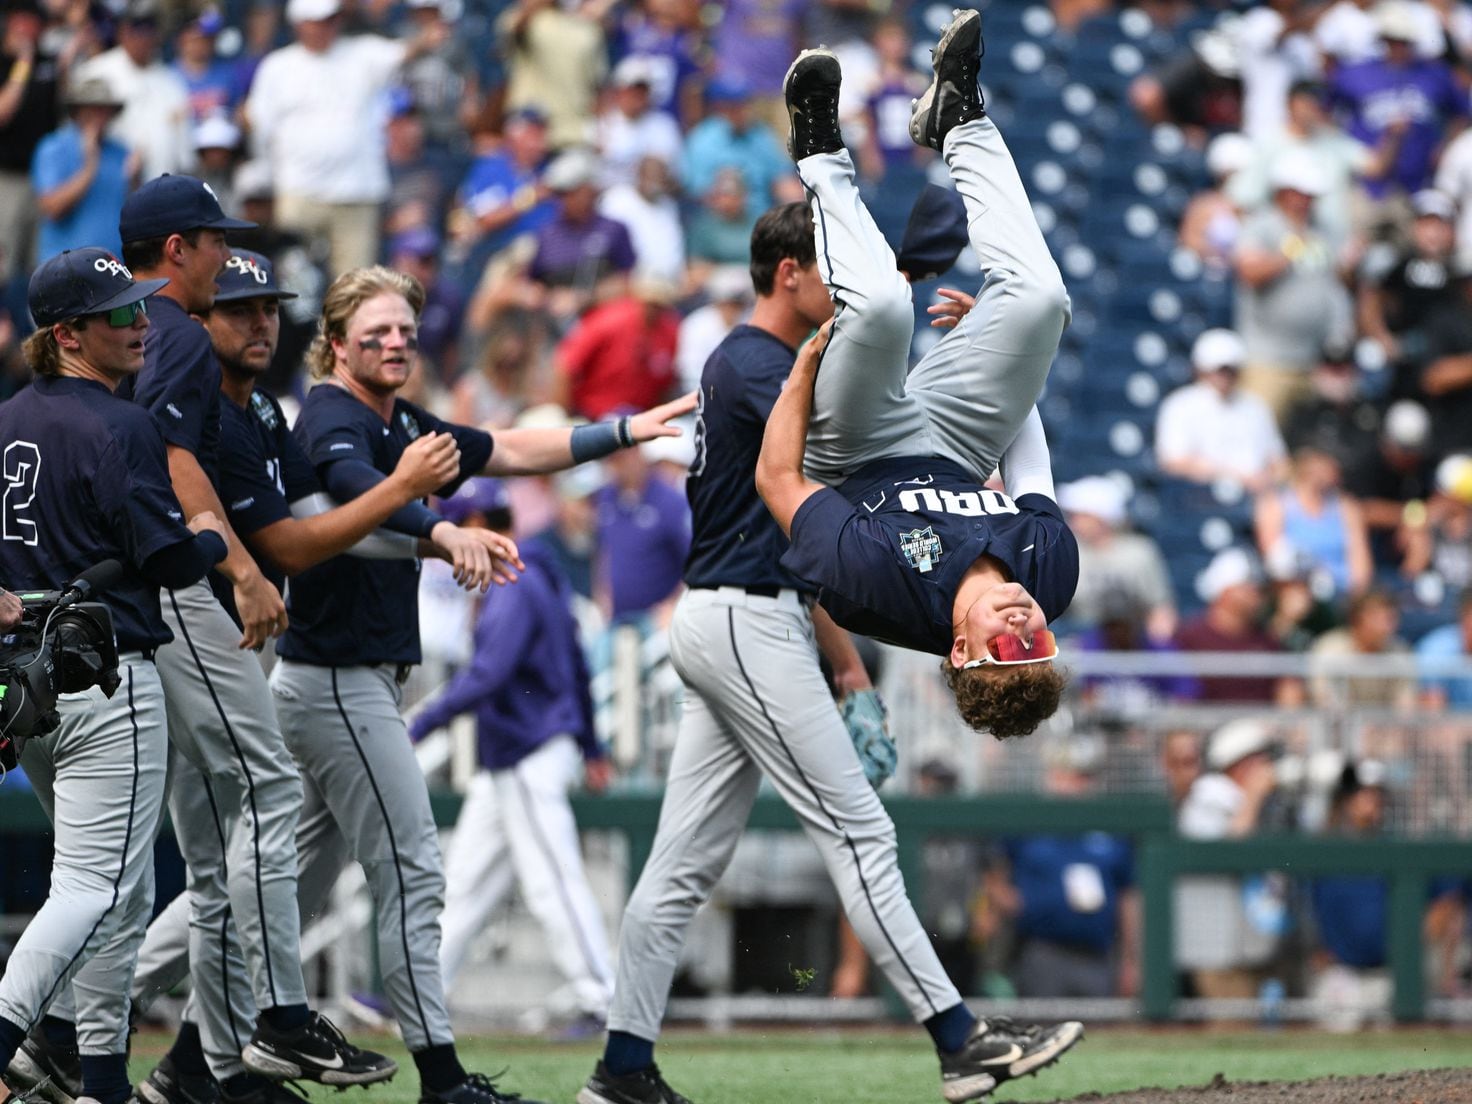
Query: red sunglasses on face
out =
(1012, 651)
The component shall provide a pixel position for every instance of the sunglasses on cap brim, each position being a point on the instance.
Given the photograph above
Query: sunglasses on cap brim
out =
(1008, 650)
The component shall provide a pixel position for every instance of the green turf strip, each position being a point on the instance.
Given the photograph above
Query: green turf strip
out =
(818, 1067)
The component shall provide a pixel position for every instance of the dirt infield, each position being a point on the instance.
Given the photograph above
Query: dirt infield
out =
(1448, 1086)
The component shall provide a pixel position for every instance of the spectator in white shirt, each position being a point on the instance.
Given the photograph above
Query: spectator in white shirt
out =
(1212, 430)
(650, 212)
(728, 289)
(631, 129)
(317, 115)
(155, 122)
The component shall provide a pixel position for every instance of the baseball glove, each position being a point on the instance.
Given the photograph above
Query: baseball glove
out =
(864, 714)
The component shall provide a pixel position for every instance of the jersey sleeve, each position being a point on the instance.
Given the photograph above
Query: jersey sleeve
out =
(181, 391)
(476, 446)
(828, 547)
(325, 439)
(297, 475)
(249, 487)
(133, 490)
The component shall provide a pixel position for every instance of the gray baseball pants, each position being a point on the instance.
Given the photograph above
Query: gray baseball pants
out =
(100, 777)
(757, 705)
(367, 799)
(235, 816)
(969, 394)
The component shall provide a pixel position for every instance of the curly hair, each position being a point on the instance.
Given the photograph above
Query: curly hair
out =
(349, 292)
(1005, 701)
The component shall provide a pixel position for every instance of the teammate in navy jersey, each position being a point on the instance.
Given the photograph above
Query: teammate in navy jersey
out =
(912, 547)
(275, 504)
(88, 481)
(249, 798)
(354, 636)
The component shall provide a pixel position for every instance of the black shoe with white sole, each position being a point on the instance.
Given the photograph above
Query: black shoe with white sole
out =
(999, 1050)
(43, 1071)
(475, 1089)
(645, 1086)
(954, 95)
(166, 1085)
(316, 1051)
(811, 91)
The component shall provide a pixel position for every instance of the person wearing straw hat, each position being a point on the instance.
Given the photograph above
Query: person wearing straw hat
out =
(80, 175)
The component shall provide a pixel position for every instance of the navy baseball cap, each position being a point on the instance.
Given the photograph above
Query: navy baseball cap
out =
(935, 234)
(482, 495)
(248, 275)
(83, 281)
(172, 205)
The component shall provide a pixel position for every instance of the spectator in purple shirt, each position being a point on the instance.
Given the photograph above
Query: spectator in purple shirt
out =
(664, 34)
(755, 42)
(643, 538)
(581, 257)
(1414, 100)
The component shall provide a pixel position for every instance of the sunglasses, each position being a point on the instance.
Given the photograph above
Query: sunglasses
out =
(1012, 651)
(121, 317)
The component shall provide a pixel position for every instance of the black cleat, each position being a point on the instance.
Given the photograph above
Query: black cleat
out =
(999, 1050)
(645, 1086)
(811, 91)
(475, 1089)
(166, 1085)
(954, 96)
(316, 1051)
(40, 1070)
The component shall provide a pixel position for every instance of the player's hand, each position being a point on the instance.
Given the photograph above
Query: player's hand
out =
(955, 306)
(505, 559)
(10, 610)
(428, 464)
(261, 610)
(470, 558)
(597, 774)
(207, 521)
(654, 422)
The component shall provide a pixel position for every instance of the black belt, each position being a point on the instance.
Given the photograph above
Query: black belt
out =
(768, 591)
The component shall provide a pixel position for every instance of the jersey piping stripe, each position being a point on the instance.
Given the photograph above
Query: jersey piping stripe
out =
(393, 846)
(584, 944)
(117, 883)
(209, 793)
(818, 801)
(250, 790)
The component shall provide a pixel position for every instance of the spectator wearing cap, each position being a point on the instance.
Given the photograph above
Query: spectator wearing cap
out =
(1274, 51)
(1413, 101)
(572, 535)
(1311, 515)
(621, 354)
(1232, 588)
(1400, 289)
(648, 209)
(81, 175)
(1335, 416)
(1438, 372)
(1343, 159)
(1443, 524)
(315, 113)
(1289, 295)
(442, 80)
(1392, 481)
(732, 137)
(416, 251)
(30, 108)
(1440, 690)
(631, 129)
(1349, 32)
(502, 196)
(1454, 180)
(719, 232)
(580, 256)
(643, 539)
(217, 150)
(209, 80)
(1198, 88)
(1114, 561)
(421, 175)
(556, 60)
(667, 35)
(155, 121)
(1213, 430)
(1370, 631)
(1223, 946)
(753, 44)
(1212, 220)
(728, 300)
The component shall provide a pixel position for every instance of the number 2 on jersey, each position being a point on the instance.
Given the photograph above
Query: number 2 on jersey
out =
(22, 466)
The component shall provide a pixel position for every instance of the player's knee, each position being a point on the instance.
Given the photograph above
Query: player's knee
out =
(887, 309)
(1044, 298)
(1005, 701)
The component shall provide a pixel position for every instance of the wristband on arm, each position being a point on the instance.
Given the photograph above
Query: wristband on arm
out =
(593, 442)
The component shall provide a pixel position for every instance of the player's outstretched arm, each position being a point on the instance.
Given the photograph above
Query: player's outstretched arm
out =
(779, 477)
(539, 451)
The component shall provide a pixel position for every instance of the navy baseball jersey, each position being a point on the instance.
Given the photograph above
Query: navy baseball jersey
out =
(262, 472)
(888, 549)
(348, 611)
(180, 382)
(87, 480)
(735, 542)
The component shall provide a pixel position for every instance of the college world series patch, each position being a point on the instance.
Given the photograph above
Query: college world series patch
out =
(921, 548)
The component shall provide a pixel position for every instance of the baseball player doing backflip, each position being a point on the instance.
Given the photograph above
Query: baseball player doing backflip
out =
(912, 546)
(745, 644)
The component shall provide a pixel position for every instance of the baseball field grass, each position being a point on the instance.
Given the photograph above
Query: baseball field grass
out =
(897, 1067)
